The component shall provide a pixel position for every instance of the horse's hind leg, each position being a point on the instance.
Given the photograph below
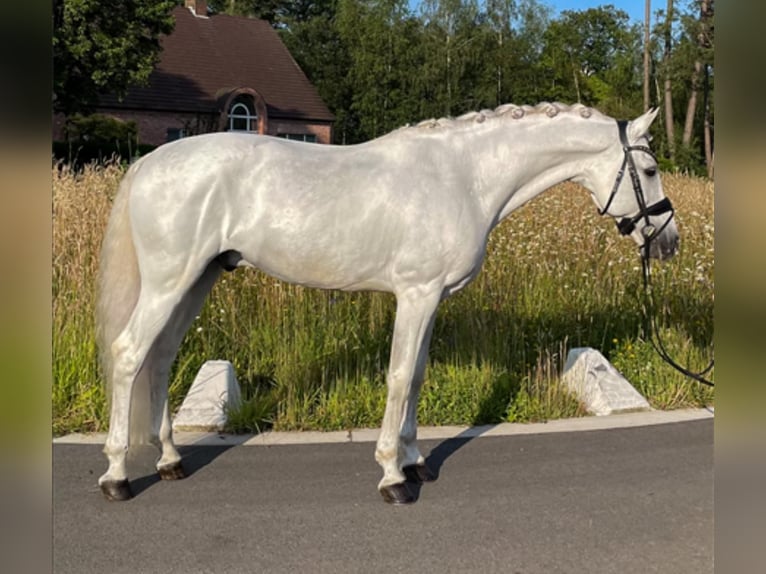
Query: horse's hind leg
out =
(151, 314)
(159, 362)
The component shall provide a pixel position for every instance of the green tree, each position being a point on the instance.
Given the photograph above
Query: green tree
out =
(686, 33)
(378, 66)
(324, 57)
(498, 15)
(527, 83)
(699, 32)
(279, 13)
(270, 10)
(384, 56)
(455, 42)
(512, 55)
(593, 57)
(104, 46)
(666, 29)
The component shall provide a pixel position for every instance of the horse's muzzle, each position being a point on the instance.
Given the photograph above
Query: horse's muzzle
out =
(663, 246)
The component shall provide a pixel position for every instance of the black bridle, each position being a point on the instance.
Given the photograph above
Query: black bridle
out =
(626, 225)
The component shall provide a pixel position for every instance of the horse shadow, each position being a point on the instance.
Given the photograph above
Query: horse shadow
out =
(439, 455)
(193, 458)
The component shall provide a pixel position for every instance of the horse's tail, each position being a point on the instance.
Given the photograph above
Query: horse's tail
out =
(118, 288)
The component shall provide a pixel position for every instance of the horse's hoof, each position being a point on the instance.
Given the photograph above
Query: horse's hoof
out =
(172, 471)
(418, 473)
(397, 494)
(116, 489)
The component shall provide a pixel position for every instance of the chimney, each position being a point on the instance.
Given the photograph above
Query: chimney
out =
(197, 7)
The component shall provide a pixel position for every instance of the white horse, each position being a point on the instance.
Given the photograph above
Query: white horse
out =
(407, 213)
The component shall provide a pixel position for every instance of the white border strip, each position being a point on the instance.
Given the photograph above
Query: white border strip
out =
(272, 438)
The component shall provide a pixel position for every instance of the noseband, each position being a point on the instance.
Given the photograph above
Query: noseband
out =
(626, 225)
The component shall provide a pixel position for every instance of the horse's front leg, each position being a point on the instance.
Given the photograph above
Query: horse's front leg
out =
(413, 463)
(416, 309)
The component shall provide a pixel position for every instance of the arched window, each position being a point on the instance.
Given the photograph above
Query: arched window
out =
(242, 110)
(242, 118)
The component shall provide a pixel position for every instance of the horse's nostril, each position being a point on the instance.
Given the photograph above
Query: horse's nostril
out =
(670, 248)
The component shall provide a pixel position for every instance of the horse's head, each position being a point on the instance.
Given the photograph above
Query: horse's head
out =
(627, 186)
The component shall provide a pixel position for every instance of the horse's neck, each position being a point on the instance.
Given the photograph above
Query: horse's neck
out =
(517, 163)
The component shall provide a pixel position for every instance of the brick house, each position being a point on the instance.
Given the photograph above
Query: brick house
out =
(219, 73)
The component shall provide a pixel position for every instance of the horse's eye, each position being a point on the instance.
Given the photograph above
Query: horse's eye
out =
(651, 171)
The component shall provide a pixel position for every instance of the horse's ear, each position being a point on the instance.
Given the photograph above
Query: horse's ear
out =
(640, 126)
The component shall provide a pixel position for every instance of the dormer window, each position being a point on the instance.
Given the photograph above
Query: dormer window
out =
(242, 110)
(242, 118)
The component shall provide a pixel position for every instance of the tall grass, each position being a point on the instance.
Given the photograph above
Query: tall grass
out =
(81, 203)
(556, 276)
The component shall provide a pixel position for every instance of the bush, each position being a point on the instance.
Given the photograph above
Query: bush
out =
(98, 138)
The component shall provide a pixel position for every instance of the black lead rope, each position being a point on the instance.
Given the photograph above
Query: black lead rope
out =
(626, 225)
(654, 334)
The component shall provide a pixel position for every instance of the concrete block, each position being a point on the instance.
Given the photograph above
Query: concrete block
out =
(601, 387)
(215, 389)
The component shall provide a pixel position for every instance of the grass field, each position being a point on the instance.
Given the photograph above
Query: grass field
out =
(556, 276)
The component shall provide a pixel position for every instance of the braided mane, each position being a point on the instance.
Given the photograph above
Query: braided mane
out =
(507, 111)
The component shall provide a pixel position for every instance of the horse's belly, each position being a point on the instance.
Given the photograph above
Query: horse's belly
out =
(354, 241)
(317, 261)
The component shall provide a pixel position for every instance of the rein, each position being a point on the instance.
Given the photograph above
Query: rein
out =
(626, 225)
(654, 335)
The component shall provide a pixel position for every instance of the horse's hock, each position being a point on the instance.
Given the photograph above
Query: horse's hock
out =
(599, 385)
(214, 391)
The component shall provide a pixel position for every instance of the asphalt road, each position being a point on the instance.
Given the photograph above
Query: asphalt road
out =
(631, 500)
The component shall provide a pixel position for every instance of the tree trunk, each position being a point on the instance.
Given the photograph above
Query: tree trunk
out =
(691, 109)
(498, 69)
(647, 22)
(449, 79)
(707, 7)
(576, 80)
(669, 124)
(707, 135)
